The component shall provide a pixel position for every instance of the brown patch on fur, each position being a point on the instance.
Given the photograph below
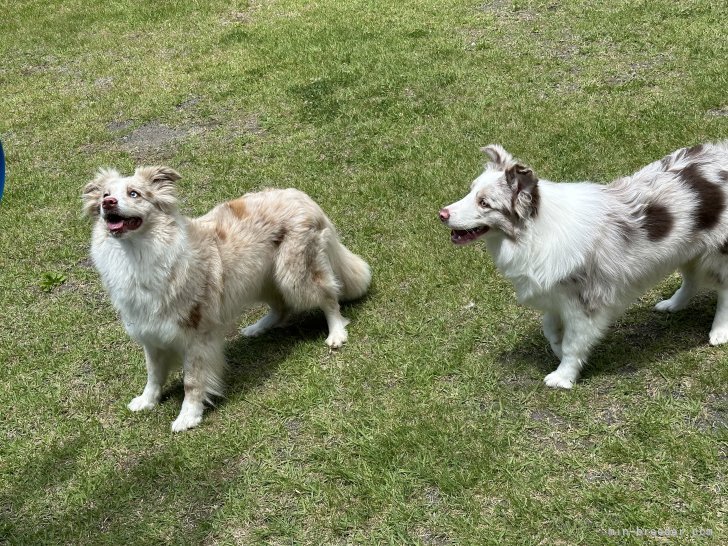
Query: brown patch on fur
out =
(522, 179)
(694, 151)
(316, 276)
(535, 201)
(193, 320)
(238, 207)
(711, 200)
(278, 239)
(221, 233)
(657, 222)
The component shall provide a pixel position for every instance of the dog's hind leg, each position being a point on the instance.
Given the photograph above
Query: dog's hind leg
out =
(689, 287)
(581, 333)
(719, 331)
(553, 329)
(305, 278)
(274, 317)
(277, 316)
(336, 323)
(204, 367)
(159, 363)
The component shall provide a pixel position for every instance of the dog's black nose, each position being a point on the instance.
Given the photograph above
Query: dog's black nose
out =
(444, 214)
(109, 203)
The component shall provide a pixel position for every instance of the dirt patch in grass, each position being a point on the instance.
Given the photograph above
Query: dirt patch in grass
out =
(244, 16)
(506, 9)
(718, 112)
(431, 537)
(119, 126)
(714, 415)
(151, 137)
(548, 417)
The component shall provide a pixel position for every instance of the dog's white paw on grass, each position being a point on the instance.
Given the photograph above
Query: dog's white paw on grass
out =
(186, 420)
(252, 331)
(668, 306)
(141, 403)
(558, 380)
(719, 336)
(337, 338)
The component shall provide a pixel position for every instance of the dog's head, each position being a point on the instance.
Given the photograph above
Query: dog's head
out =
(500, 199)
(127, 204)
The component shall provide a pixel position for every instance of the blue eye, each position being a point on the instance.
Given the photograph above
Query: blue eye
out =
(133, 194)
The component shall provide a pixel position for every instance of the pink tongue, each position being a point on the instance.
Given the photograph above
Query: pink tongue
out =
(115, 226)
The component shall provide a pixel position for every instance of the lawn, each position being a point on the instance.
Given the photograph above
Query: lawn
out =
(432, 425)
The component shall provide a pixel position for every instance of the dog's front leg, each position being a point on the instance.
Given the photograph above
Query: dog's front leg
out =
(203, 378)
(719, 331)
(159, 363)
(581, 333)
(553, 329)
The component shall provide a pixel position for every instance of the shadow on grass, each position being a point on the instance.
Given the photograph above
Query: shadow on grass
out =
(161, 486)
(160, 494)
(252, 360)
(635, 341)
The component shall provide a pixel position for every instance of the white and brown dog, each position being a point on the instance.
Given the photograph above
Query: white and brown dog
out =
(181, 283)
(582, 252)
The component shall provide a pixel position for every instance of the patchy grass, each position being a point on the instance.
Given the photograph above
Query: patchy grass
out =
(431, 426)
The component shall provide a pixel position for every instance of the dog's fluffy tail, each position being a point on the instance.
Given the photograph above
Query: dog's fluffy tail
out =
(351, 271)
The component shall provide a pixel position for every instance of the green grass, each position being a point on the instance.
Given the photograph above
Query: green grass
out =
(431, 426)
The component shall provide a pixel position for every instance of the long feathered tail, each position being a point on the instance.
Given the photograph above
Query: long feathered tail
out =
(351, 271)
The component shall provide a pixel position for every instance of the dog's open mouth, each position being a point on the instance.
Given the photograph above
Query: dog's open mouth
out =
(463, 236)
(118, 224)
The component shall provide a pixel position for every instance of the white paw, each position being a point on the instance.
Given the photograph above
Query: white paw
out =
(719, 336)
(558, 380)
(337, 338)
(667, 306)
(252, 331)
(141, 403)
(186, 421)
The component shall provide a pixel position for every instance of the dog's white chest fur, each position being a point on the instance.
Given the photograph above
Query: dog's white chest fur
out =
(138, 285)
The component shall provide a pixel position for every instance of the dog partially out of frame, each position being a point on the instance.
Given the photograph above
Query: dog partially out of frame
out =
(582, 252)
(179, 284)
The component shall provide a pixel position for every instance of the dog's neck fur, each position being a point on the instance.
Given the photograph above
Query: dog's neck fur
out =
(163, 246)
(567, 217)
(145, 260)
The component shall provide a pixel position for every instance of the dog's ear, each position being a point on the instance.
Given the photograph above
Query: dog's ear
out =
(521, 178)
(161, 176)
(499, 157)
(93, 191)
(524, 185)
(161, 181)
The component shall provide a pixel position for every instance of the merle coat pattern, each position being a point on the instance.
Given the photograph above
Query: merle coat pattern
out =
(180, 284)
(582, 252)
